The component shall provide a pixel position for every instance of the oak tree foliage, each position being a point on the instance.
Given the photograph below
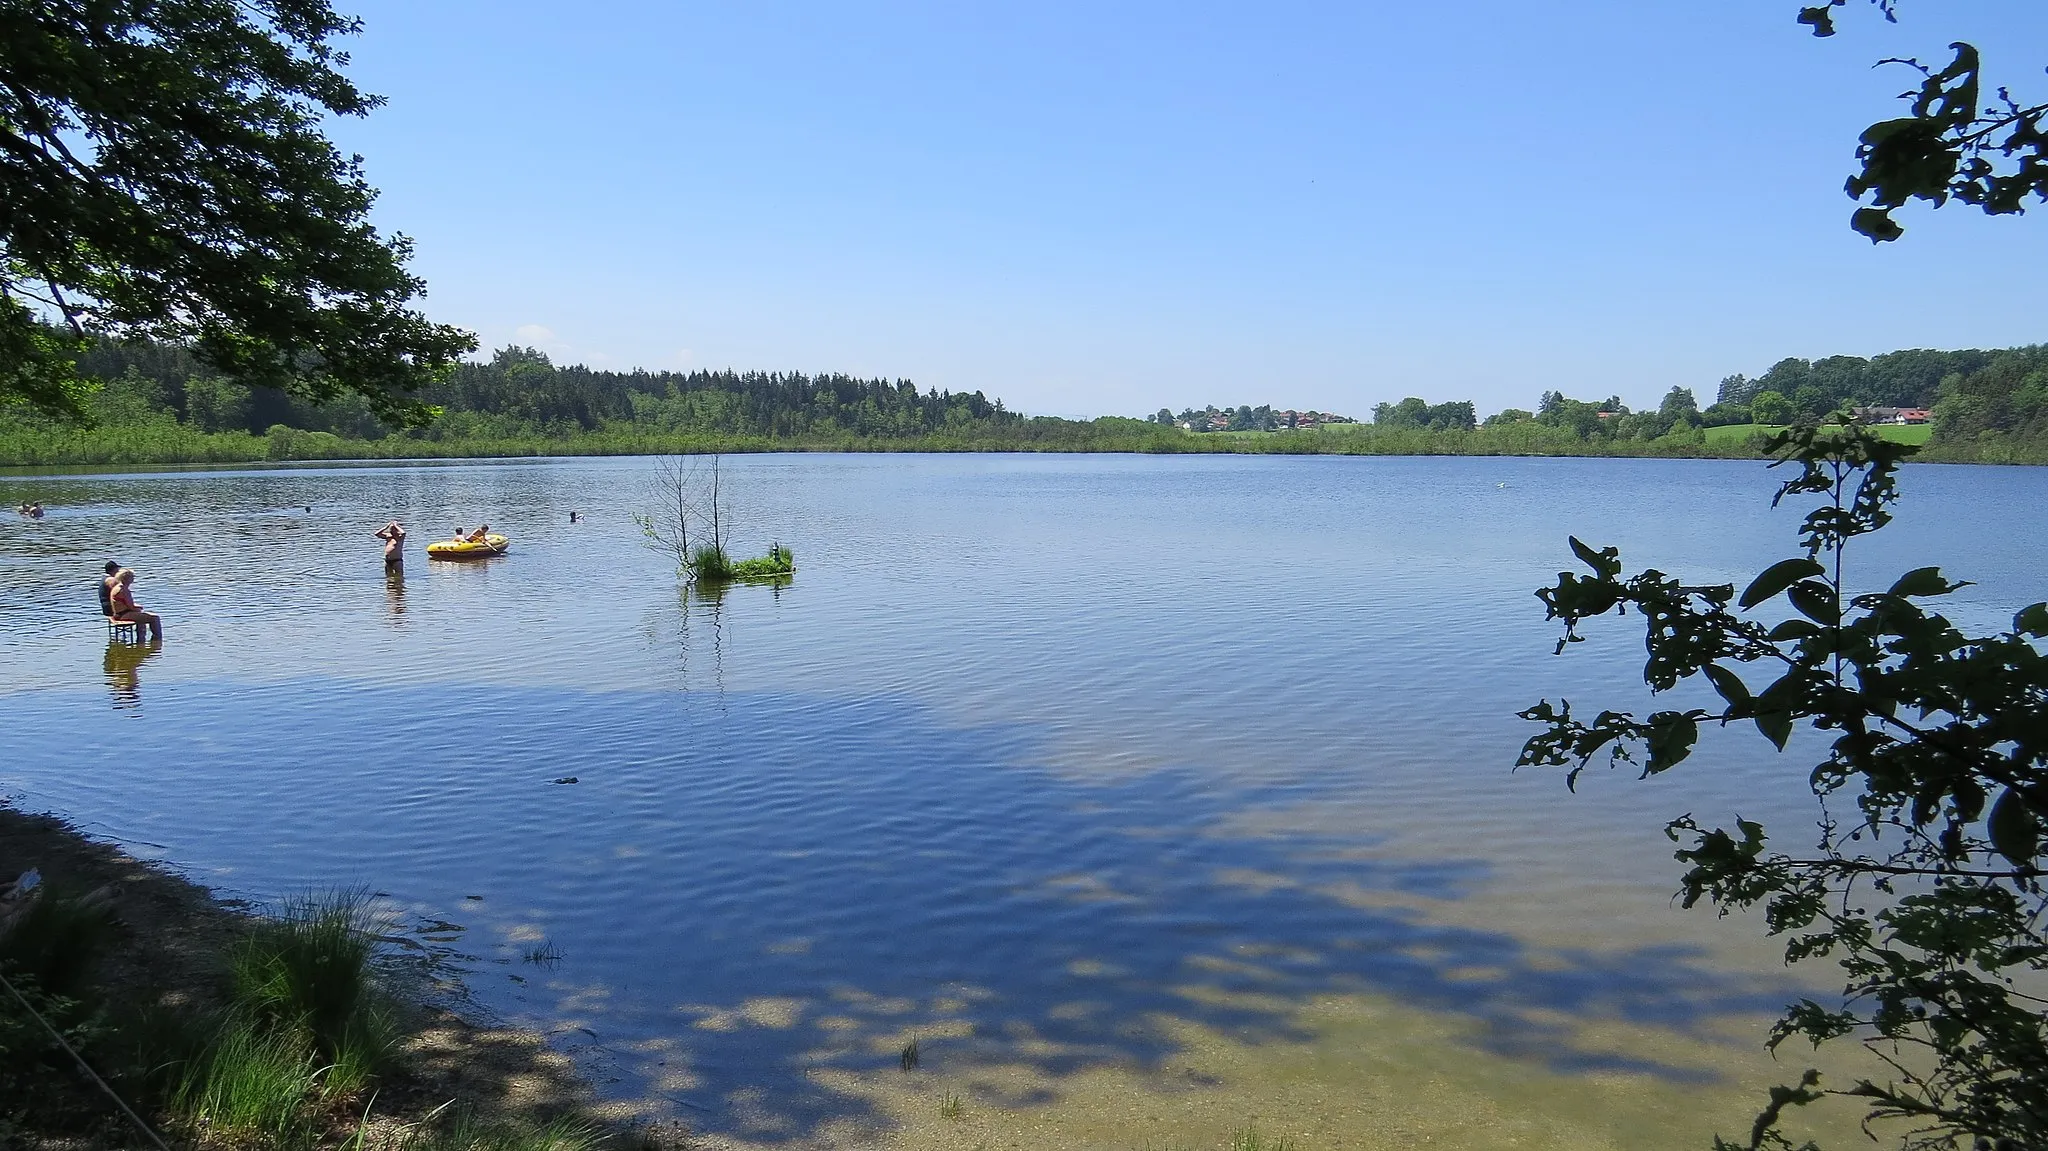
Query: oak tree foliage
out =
(164, 174)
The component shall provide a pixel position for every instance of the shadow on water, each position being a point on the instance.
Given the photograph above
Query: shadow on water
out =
(751, 887)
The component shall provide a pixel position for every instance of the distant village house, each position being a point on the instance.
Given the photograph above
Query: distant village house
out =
(1892, 415)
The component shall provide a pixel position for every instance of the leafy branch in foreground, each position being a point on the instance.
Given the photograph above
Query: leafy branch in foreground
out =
(1929, 897)
(1950, 144)
(165, 175)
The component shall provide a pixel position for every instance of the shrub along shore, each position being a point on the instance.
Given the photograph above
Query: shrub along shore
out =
(222, 1027)
(171, 443)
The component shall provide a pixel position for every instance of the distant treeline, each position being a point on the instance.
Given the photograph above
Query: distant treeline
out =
(158, 404)
(1984, 405)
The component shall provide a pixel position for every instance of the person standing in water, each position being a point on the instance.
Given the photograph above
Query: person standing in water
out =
(393, 535)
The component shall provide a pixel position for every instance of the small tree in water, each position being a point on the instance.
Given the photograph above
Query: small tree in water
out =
(692, 517)
(1929, 897)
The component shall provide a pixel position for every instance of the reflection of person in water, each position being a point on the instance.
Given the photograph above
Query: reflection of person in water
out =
(394, 588)
(123, 666)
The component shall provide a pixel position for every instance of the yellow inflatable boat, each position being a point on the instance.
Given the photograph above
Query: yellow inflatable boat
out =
(491, 545)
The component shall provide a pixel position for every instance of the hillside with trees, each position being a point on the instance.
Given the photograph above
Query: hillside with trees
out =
(159, 403)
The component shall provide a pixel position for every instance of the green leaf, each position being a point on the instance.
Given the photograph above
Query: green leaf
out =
(1776, 726)
(1876, 223)
(1923, 581)
(1815, 601)
(2014, 829)
(1793, 629)
(1605, 563)
(1670, 738)
(1728, 684)
(1777, 578)
(2033, 620)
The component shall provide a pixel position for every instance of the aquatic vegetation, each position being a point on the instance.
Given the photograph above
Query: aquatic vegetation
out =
(779, 561)
(542, 954)
(909, 1056)
(464, 1130)
(1249, 1139)
(950, 1107)
(710, 562)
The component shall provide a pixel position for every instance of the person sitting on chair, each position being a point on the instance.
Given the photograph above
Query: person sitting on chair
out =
(107, 589)
(125, 609)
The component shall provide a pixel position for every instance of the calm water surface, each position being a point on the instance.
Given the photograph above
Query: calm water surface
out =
(1153, 796)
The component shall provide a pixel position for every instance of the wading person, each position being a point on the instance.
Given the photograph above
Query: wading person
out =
(393, 535)
(125, 609)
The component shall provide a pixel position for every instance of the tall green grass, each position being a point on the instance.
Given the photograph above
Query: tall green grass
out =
(305, 1026)
(464, 1130)
(709, 562)
(779, 561)
(1249, 1139)
(309, 974)
(255, 1083)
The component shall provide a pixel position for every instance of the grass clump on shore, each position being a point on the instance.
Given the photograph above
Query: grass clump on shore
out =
(222, 1030)
(308, 977)
(251, 1084)
(304, 1029)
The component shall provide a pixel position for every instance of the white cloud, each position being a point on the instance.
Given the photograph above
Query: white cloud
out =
(539, 335)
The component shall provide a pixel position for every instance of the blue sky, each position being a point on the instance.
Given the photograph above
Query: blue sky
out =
(1091, 208)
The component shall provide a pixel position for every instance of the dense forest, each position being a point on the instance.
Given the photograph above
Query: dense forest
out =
(159, 404)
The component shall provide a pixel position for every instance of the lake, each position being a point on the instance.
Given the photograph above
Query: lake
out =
(1155, 798)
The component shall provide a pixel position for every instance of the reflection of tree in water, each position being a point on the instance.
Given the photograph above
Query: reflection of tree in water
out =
(123, 667)
(705, 599)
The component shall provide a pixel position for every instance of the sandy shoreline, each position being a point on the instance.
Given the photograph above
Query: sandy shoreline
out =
(170, 941)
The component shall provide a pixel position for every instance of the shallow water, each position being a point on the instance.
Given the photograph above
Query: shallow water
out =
(1154, 797)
